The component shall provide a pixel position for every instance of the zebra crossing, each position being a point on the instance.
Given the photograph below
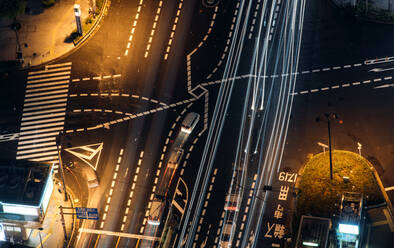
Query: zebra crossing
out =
(44, 112)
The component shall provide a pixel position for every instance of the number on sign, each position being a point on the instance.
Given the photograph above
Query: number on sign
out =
(287, 177)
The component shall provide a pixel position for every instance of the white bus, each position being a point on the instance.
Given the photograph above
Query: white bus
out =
(190, 122)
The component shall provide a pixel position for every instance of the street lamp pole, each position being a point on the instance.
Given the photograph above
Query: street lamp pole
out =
(329, 144)
(61, 166)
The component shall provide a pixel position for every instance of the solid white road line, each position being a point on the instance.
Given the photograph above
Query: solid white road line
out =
(35, 140)
(47, 144)
(47, 158)
(43, 116)
(44, 103)
(33, 95)
(43, 107)
(389, 188)
(48, 88)
(31, 86)
(39, 131)
(41, 112)
(28, 123)
(58, 65)
(47, 79)
(45, 98)
(37, 150)
(37, 155)
(41, 126)
(49, 75)
(52, 70)
(119, 234)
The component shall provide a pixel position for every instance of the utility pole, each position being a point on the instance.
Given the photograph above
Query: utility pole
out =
(39, 233)
(328, 117)
(63, 223)
(61, 166)
(329, 143)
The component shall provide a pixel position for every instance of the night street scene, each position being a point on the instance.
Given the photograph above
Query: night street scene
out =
(197, 123)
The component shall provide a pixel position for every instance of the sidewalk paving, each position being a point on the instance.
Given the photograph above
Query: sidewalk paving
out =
(52, 234)
(44, 33)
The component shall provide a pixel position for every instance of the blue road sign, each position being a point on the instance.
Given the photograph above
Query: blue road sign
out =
(87, 213)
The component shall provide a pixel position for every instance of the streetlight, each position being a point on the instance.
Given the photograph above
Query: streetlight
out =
(328, 118)
(359, 146)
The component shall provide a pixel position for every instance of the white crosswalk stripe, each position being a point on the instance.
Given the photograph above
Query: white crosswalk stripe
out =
(44, 112)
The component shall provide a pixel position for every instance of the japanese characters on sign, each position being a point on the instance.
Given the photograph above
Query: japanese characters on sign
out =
(276, 230)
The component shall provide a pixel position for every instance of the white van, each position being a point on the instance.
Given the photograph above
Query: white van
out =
(91, 178)
(190, 122)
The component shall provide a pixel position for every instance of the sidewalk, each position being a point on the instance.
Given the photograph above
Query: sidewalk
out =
(52, 234)
(44, 33)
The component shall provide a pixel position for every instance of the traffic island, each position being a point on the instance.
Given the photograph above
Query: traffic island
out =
(89, 24)
(322, 197)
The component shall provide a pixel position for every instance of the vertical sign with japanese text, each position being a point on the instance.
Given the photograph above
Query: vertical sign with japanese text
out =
(275, 230)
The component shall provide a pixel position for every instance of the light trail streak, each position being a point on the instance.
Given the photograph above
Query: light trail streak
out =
(281, 117)
(215, 131)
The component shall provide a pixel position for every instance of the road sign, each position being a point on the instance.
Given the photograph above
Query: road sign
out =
(87, 213)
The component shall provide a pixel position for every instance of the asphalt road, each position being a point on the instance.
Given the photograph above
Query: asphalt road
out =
(133, 82)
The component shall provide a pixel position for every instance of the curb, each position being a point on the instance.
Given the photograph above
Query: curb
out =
(80, 42)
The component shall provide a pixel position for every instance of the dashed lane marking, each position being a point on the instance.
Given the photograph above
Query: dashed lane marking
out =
(172, 34)
(148, 46)
(345, 85)
(227, 41)
(110, 192)
(129, 116)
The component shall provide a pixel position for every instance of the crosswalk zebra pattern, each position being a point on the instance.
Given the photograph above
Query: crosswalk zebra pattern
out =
(44, 112)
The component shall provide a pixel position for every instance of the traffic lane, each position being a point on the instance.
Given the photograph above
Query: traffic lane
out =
(215, 48)
(330, 37)
(359, 76)
(223, 162)
(156, 134)
(156, 77)
(139, 64)
(366, 116)
(170, 73)
(217, 192)
(107, 157)
(133, 146)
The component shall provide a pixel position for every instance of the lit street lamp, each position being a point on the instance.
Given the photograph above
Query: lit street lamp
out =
(359, 146)
(328, 118)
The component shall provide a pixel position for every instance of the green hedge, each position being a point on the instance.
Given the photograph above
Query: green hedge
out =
(320, 196)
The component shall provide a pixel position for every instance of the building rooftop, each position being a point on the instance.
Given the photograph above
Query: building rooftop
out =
(23, 183)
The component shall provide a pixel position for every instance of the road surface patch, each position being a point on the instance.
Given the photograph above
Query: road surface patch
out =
(113, 183)
(172, 34)
(227, 42)
(148, 46)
